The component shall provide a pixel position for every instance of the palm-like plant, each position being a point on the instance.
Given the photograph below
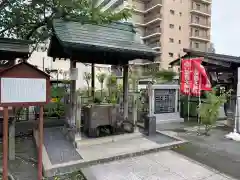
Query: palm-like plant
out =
(87, 77)
(112, 88)
(101, 78)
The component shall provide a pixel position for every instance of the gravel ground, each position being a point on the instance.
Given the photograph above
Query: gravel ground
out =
(214, 151)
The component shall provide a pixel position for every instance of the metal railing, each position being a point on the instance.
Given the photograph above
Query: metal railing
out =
(202, 23)
(152, 17)
(203, 10)
(152, 4)
(152, 31)
(199, 36)
(153, 45)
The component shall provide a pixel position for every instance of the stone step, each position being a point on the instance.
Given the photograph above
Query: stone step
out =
(84, 141)
(168, 117)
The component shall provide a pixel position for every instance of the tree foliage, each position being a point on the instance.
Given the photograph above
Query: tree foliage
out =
(209, 110)
(32, 19)
(101, 78)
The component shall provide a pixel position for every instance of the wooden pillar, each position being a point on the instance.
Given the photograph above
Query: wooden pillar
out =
(73, 100)
(93, 81)
(5, 143)
(40, 128)
(134, 90)
(78, 116)
(125, 91)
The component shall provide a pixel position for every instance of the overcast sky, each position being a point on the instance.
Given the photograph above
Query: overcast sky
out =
(226, 26)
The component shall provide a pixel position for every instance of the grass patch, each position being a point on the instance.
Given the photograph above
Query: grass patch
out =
(78, 175)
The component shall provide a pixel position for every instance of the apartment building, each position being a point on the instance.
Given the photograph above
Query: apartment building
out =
(168, 26)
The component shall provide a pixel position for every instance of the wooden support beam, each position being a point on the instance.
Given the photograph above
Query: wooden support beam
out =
(125, 92)
(5, 143)
(93, 81)
(40, 128)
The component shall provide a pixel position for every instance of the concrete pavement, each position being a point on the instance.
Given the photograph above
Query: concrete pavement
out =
(163, 165)
(214, 151)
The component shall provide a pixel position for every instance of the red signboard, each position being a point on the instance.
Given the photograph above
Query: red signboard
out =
(186, 77)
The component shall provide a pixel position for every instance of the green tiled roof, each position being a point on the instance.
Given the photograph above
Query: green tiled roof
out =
(14, 45)
(207, 55)
(116, 37)
(13, 48)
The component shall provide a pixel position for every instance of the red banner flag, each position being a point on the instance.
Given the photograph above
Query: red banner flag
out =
(204, 80)
(193, 77)
(196, 76)
(186, 77)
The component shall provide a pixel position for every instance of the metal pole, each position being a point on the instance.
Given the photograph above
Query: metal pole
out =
(179, 82)
(199, 98)
(93, 81)
(40, 126)
(5, 143)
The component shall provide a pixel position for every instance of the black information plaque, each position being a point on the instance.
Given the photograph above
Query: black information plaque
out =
(164, 100)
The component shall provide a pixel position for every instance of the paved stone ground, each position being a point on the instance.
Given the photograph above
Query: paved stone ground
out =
(215, 151)
(164, 165)
(25, 165)
(59, 149)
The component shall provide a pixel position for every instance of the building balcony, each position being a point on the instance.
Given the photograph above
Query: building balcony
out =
(202, 24)
(156, 46)
(113, 4)
(204, 12)
(102, 3)
(152, 17)
(151, 4)
(201, 49)
(200, 37)
(152, 33)
(150, 20)
(148, 7)
(206, 1)
(145, 11)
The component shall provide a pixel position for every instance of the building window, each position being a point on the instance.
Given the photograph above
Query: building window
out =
(180, 13)
(170, 54)
(196, 45)
(179, 41)
(172, 12)
(171, 26)
(198, 6)
(171, 40)
(180, 28)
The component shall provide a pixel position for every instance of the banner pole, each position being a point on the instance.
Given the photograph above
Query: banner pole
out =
(179, 93)
(199, 97)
